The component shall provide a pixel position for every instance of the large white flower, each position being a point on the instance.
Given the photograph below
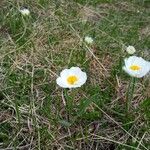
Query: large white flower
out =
(71, 78)
(136, 66)
(24, 11)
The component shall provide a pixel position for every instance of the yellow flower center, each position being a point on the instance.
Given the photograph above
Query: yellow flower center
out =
(72, 79)
(135, 67)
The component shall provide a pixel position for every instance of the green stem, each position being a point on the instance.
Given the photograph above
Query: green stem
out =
(69, 102)
(130, 93)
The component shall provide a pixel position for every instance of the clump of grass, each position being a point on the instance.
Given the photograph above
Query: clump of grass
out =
(35, 48)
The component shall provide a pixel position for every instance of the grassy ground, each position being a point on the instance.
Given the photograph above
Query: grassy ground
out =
(34, 49)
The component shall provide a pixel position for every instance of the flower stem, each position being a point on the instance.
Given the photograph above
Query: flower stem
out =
(130, 94)
(69, 103)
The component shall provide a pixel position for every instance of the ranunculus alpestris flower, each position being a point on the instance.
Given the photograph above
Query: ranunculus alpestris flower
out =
(88, 39)
(136, 66)
(24, 11)
(71, 78)
(130, 50)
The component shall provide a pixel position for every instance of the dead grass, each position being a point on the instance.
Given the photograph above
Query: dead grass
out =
(29, 70)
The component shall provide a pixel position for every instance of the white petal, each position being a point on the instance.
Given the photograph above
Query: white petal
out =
(130, 61)
(75, 70)
(145, 70)
(126, 61)
(82, 78)
(139, 61)
(64, 73)
(60, 82)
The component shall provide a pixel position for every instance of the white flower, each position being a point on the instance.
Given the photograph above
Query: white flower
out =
(130, 50)
(71, 78)
(24, 11)
(136, 66)
(88, 40)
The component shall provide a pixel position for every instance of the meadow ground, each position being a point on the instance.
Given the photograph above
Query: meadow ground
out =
(37, 114)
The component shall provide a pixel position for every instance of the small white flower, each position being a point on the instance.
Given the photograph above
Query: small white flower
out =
(71, 78)
(130, 50)
(24, 11)
(88, 40)
(136, 66)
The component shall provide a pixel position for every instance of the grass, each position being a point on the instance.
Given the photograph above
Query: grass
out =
(37, 114)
